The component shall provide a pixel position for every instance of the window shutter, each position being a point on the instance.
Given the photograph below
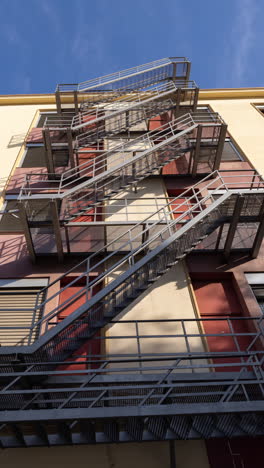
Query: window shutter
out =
(17, 311)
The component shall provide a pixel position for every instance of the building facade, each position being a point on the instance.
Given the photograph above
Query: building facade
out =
(132, 273)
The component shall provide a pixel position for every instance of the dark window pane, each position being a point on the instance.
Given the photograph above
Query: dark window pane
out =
(10, 222)
(230, 152)
(35, 157)
(43, 117)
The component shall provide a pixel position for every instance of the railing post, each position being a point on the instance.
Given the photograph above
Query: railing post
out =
(57, 228)
(75, 97)
(233, 225)
(48, 152)
(220, 147)
(196, 96)
(58, 101)
(197, 150)
(26, 229)
(70, 146)
(258, 239)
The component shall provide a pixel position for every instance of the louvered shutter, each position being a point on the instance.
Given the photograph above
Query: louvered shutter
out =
(17, 311)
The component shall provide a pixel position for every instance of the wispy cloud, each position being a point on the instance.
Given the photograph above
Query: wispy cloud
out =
(89, 38)
(13, 38)
(244, 37)
(25, 84)
(239, 43)
(52, 15)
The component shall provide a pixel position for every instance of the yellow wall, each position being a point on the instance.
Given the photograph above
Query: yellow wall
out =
(189, 454)
(170, 297)
(245, 124)
(15, 123)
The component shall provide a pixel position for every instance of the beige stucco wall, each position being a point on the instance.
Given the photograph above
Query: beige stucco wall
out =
(168, 298)
(189, 454)
(245, 124)
(15, 123)
(149, 198)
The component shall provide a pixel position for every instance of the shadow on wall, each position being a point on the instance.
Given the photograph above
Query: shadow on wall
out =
(12, 250)
(179, 282)
(16, 140)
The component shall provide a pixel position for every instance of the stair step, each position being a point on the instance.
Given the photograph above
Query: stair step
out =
(152, 280)
(142, 288)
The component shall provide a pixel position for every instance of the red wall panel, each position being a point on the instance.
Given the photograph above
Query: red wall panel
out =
(92, 346)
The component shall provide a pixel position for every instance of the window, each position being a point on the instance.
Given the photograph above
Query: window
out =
(18, 299)
(258, 290)
(231, 152)
(259, 107)
(42, 118)
(35, 157)
(256, 282)
(10, 222)
(207, 111)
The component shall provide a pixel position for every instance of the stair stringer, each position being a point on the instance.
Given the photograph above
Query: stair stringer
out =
(59, 342)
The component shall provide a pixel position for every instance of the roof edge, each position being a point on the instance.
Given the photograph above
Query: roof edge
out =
(49, 98)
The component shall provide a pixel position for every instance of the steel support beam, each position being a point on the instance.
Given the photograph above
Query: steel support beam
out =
(48, 152)
(174, 66)
(99, 413)
(58, 101)
(258, 239)
(178, 101)
(196, 97)
(70, 147)
(76, 104)
(197, 150)
(233, 225)
(220, 147)
(27, 232)
(188, 71)
(57, 228)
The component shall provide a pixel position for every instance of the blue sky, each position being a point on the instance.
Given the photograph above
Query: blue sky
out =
(45, 42)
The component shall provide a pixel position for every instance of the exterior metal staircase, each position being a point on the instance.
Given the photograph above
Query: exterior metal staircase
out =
(124, 166)
(118, 273)
(131, 397)
(142, 396)
(173, 68)
(136, 397)
(90, 126)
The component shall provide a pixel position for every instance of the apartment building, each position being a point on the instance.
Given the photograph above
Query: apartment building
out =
(132, 273)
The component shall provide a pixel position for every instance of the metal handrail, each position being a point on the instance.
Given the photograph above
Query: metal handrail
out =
(128, 100)
(156, 234)
(96, 83)
(114, 158)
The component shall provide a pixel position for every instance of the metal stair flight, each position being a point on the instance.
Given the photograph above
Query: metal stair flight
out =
(172, 68)
(133, 261)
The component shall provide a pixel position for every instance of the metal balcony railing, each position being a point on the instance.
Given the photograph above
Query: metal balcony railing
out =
(110, 163)
(177, 68)
(137, 395)
(145, 255)
(125, 165)
(105, 121)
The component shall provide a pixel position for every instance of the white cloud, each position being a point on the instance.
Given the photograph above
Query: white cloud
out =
(89, 39)
(242, 40)
(51, 13)
(25, 84)
(245, 35)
